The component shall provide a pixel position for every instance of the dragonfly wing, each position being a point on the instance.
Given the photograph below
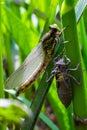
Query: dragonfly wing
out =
(26, 70)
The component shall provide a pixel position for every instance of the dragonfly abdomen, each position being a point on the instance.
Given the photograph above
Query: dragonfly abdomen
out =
(64, 93)
(31, 80)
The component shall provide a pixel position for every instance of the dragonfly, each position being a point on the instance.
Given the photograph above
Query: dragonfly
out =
(36, 62)
(63, 76)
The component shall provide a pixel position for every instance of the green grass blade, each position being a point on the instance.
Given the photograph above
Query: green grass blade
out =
(1, 74)
(20, 33)
(37, 103)
(2, 126)
(83, 41)
(73, 52)
(48, 122)
(1, 66)
(8, 53)
(51, 15)
(80, 6)
(43, 117)
(42, 91)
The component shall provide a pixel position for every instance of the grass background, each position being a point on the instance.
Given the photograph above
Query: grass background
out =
(22, 24)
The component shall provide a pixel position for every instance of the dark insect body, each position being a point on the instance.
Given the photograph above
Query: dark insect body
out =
(36, 62)
(63, 76)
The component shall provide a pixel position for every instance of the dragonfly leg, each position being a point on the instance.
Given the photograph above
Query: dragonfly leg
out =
(52, 75)
(74, 79)
(74, 69)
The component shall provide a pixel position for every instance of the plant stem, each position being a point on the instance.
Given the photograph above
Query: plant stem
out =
(73, 52)
(37, 104)
(43, 86)
(1, 73)
(83, 41)
(9, 53)
(2, 127)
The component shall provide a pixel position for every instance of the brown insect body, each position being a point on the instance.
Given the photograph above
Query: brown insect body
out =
(61, 72)
(63, 83)
(48, 44)
(36, 62)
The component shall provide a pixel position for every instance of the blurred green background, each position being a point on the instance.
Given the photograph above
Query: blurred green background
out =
(22, 24)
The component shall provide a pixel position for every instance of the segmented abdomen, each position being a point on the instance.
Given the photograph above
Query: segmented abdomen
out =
(64, 92)
(34, 76)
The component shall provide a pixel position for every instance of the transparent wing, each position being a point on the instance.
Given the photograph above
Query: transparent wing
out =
(26, 70)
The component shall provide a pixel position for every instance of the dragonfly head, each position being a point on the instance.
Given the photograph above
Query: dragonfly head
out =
(54, 27)
(64, 61)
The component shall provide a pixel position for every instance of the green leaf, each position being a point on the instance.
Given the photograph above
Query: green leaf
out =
(51, 125)
(1, 65)
(16, 109)
(80, 7)
(73, 51)
(22, 35)
(43, 117)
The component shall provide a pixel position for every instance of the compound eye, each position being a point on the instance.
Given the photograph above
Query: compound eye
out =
(53, 27)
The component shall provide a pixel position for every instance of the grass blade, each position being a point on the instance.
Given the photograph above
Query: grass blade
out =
(71, 35)
(80, 7)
